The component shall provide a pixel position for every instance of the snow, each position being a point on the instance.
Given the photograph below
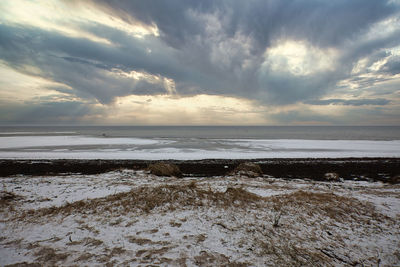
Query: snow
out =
(37, 133)
(85, 147)
(40, 192)
(66, 140)
(206, 235)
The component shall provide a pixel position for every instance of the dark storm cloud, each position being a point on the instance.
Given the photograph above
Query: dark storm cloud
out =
(211, 47)
(325, 24)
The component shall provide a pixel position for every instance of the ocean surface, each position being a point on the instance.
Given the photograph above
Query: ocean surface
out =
(197, 142)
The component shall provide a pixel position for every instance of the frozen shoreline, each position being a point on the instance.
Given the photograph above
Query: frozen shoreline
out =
(85, 147)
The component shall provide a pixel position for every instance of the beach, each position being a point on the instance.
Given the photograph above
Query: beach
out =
(199, 133)
(87, 199)
(131, 217)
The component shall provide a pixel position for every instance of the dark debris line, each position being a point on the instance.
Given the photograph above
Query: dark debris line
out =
(372, 169)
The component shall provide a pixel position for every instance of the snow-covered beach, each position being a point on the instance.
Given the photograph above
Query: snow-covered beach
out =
(199, 133)
(89, 200)
(134, 218)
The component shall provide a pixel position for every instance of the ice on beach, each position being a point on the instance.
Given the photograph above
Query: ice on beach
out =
(86, 147)
(51, 141)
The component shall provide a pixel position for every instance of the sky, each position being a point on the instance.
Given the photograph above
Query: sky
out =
(209, 62)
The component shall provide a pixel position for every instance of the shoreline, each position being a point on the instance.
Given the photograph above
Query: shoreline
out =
(368, 169)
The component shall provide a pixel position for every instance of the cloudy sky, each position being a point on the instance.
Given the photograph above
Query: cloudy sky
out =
(209, 62)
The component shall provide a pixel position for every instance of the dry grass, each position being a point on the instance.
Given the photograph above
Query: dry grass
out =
(331, 177)
(248, 169)
(24, 264)
(286, 229)
(175, 197)
(6, 198)
(84, 257)
(200, 238)
(394, 180)
(313, 213)
(287, 254)
(146, 199)
(164, 169)
(149, 255)
(215, 259)
(139, 241)
(50, 256)
(87, 241)
(175, 224)
(116, 251)
(328, 205)
(144, 241)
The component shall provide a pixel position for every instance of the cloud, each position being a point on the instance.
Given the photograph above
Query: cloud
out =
(92, 70)
(392, 66)
(348, 115)
(303, 117)
(275, 52)
(320, 22)
(351, 102)
(49, 112)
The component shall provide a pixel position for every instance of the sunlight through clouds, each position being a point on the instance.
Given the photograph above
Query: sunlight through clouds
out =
(300, 58)
(190, 110)
(67, 17)
(18, 87)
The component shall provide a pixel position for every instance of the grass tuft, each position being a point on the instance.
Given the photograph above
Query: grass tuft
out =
(165, 169)
(146, 199)
(248, 169)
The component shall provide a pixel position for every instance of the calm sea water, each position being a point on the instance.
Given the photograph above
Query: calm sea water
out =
(216, 132)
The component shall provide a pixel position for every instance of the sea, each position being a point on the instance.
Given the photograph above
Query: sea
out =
(197, 142)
